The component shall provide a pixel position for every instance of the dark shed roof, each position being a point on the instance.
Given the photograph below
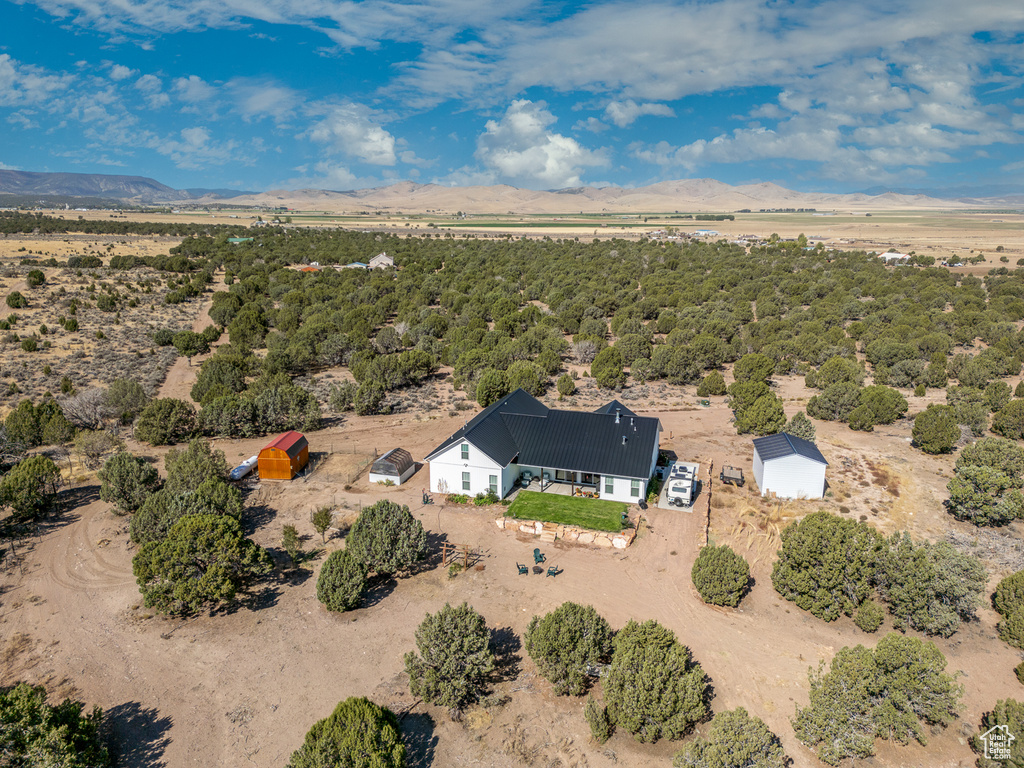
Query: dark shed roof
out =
(521, 428)
(394, 462)
(782, 444)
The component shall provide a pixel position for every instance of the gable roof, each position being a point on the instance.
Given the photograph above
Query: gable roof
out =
(782, 444)
(519, 427)
(395, 461)
(614, 406)
(290, 442)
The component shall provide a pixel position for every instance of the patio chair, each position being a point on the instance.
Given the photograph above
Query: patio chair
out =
(522, 568)
(538, 556)
(553, 570)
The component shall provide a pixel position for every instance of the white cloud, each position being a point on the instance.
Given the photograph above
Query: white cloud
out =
(22, 84)
(264, 98)
(625, 113)
(152, 89)
(120, 72)
(591, 124)
(194, 90)
(351, 129)
(519, 149)
(195, 149)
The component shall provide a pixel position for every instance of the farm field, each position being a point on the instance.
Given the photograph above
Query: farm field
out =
(242, 687)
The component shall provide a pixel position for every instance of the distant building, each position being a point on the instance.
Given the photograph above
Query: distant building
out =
(381, 261)
(892, 256)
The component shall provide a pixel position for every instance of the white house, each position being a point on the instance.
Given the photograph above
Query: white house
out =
(890, 257)
(611, 451)
(381, 261)
(789, 467)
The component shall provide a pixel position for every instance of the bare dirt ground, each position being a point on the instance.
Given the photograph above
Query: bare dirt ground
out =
(242, 687)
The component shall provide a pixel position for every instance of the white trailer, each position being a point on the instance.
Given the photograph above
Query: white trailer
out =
(681, 485)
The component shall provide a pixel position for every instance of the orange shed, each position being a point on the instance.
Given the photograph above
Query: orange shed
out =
(284, 457)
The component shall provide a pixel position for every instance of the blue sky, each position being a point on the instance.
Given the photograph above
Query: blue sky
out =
(345, 94)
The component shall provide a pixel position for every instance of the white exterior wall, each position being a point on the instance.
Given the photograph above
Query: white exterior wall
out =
(449, 466)
(622, 490)
(792, 477)
(377, 478)
(759, 472)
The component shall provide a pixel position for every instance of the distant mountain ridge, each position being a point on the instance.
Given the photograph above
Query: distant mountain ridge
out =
(135, 188)
(680, 196)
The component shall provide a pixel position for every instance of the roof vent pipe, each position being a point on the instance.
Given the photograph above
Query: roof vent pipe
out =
(616, 415)
(623, 439)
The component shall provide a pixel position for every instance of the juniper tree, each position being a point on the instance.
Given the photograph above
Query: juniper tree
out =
(653, 688)
(387, 539)
(357, 733)
(454, 659)
(567, 645)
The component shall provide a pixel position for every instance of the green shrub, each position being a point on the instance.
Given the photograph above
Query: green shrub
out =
(341, 582)
(885, 693)
(869, 616)
(827, 564)
(720, 575)
(935, 430)
(601, 727)
(653, 688)
(734, 740)
(16, 301)
(358, 733)
(29, 345)
(712, 384)
(386, 538)
(567, 645)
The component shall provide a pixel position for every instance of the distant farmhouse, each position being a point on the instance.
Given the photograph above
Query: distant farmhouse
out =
(380, 261)
(892, 257)
(611, 452)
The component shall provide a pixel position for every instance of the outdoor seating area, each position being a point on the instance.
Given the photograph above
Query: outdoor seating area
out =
(538, 558)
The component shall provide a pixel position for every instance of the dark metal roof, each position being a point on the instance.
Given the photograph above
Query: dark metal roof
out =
(490, 434)
(614, 406)
(520, 425)
(394, 462)
(782, 444)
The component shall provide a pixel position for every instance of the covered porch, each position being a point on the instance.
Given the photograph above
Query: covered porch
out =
(558, 481)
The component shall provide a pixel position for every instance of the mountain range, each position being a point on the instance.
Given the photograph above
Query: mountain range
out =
(687, 195)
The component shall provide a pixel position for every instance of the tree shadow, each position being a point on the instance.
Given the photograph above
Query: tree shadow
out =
(420, 740)
(259, 598)
(139, 735)
(505, 645)
(377, 589)
(255, 517)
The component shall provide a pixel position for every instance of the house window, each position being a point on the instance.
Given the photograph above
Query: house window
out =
(492, 483)
(634, 488)
(609, 484)
(465, 451)
(465, 481)
(565, 477)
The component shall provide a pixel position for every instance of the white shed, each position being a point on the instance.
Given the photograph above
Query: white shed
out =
(396, 465)
(789, 467)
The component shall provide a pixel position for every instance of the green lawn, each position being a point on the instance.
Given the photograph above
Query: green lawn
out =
(595, 514)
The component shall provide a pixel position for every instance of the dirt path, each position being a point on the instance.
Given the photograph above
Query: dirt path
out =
(182, 373)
